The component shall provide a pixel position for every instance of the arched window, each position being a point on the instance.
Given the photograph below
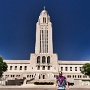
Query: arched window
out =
(43, 59)
(48, 59)
(38, 59)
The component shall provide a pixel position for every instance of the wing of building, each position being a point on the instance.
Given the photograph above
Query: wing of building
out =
(43, 64)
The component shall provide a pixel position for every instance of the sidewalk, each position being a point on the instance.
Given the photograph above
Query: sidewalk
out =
(40, 86)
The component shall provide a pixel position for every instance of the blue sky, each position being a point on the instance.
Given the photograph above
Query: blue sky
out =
(71, 28)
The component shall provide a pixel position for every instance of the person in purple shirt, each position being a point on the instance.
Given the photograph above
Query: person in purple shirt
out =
(61, 82)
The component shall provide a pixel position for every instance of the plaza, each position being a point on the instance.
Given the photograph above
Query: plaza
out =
(40, 87)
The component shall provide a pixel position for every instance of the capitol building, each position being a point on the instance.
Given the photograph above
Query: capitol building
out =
(43, 64)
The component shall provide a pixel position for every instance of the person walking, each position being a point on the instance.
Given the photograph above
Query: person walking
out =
(61, 82)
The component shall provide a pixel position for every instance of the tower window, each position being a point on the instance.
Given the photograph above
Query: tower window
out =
(43, 59)
(38, 59)
(48, 59)
(40, 41)
(47, 34)
(43, 19)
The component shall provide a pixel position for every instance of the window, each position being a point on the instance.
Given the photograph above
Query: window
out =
(75, 68)
(75, 76)
(38, 59)
(61, 68)
(39, 77)
(80, 68)
(27, 75)
(25, 67)
(15, 67)
(47, 48)
(47, 40)
(42, 36)
(66, 68)
(40, 41)
(13, 75)
(32, 75)
(10, 67)
(20, 67)
(78, 76)
(38, 67)
(43, 68)
(84, 76)
(45, 20)
(43, 76)
(70, 68)
(48, 67)
(68, 76)
(43, 59)
(17, 75)
(54, 76)
(48, 59)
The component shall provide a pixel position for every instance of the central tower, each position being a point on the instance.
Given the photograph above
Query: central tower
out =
(44, 59)
(44, 34)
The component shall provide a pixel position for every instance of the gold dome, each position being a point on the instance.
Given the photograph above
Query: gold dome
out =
(44, 11)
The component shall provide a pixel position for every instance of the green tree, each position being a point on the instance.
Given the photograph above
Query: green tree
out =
(86, 69)
(3, 66)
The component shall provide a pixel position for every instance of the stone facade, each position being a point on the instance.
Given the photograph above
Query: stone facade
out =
(43, 64)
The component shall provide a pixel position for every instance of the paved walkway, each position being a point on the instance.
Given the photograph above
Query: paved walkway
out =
(43, 87)
(14, 88)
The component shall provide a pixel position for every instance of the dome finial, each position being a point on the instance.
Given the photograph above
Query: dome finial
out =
(44, 7)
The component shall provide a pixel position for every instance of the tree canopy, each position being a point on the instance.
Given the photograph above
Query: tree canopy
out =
(86, 69)
(3, 66)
